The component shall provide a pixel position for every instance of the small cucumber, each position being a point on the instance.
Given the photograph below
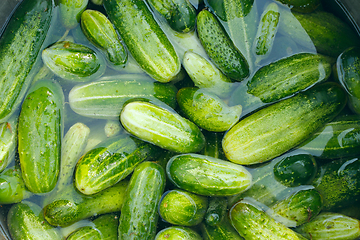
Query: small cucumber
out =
(8, 141)
(183, 208)
(179, 14)
(100, 32)
(253, 223)
(70, 12)
(25, 221)
(139, 215)
(223, 231)
(216, 211)
(162, 127)
(73, 61)
(328, 225)
(105, 98)
(277, 128)
(207, 176)
(207, 110)
(177, 233)
(72, 206)
(110, 162)
(112, 128)
(144, 38)
(40, 132)
(220, 48)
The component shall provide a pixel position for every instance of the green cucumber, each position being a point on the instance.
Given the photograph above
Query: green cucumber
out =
(110, 162)
(183, 208)
(139, 213)
(216, 211)
(176, 233)
(288, 76)
(220, 48)
(217, 7)
(8, 141)
(20, 45)
(223, 231)
(213, 146)
(25, 221)
(73, 61)
(207, 176)
(338, 138)
(303, 6)
(207, 110)
(72, 206)
(154, 53)
(328, 225)
(70, 12)
(179, 14)
(112, 128)
(100, 32)
(298, 208)
(105, 98)
(277, 128)
(40, 132)
(253, 223)
(162, 127)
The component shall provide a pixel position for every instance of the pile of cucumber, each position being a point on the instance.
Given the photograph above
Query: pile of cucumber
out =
(179, 119)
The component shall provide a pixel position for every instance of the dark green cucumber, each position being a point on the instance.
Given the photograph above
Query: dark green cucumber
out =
(298, 208)
(40, 131)
(183, 208)
(216, 211)
(288, 76)
(338, 183)
(220, 48)
(8, 141)
(253, 223)
(110, 162)
(213, 146)
(71, 206)
(177, 232)
(105, 98)
(25, 221)
(328, 225)
(139, 213)
(143, 37)
(303, 6)
(339, 138)
(223, 231)
(277, 128)
(20, 45)
(207, 176)
(179, 14)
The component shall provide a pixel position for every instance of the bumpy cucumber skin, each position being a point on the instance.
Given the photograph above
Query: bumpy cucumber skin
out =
(110, 162)
(177, 233)
(207, 176)
(288, 76)
(223, 231)
(105, 98)
(143, 37)
(40, 131)
(8, 141)
(139, 214)
(216, 211)
(31, 21)
(25, 221)
(252, 223)
(100, 31)
(70, 12)
(220, 48)
(162, 127)
(183, 208)
(277, 128)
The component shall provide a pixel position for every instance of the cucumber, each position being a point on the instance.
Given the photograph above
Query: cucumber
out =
(216, 211)
(338, 138)
(223, 231)
(253, 223)
(217, 7)
(288, 76)
(177, 232)
(105, 98)
(70, 12)
(213, 146)
(212, 177)
(139, 215)
(183, 208)
(207, 110)
(162, 127)
(154, 53)
(112, 128)
(100, 32)
(303, 6)
(40, 131)
(31, 20)
(220, 48)
(72, 206)
(25, 221)
(277, 128)
(110, 162)
(179, 14)
(8, 141)
(328, 225)
(298, 208)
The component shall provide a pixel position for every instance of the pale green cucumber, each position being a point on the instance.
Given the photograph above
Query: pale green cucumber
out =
(162, 127)
(8, 141)
(112, 128)
(154, 53)
(177, 233)
(70, 12)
